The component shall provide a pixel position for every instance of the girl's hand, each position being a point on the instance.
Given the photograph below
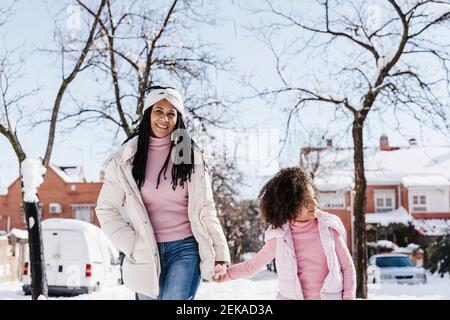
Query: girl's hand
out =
(220, 270)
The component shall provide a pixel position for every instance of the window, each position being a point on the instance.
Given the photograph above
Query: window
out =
(380, 202)
(54, 208)
(388, 202)
(419, 202)
(83, 212)
(332, 200)
(384, 200)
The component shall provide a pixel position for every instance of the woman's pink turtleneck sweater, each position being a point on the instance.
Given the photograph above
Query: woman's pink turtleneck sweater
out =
(166, 208)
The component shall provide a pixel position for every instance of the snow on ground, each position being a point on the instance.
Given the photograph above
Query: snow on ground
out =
(263, 286)
(437, 288)
(399, 215)
(13, 291)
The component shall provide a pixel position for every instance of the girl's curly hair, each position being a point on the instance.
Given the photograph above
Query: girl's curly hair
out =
(283, 195)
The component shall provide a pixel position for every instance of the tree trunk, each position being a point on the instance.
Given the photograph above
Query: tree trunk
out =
(359, 211)
(37, 262)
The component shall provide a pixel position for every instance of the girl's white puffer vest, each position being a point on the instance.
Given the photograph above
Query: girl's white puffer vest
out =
(286, 261)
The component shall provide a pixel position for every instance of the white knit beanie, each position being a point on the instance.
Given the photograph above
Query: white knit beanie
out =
(171, 95)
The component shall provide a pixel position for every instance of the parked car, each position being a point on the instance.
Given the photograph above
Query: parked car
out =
(394, 269)
(78, 256)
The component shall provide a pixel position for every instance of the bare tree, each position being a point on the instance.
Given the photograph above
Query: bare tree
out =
(141, 45)
(243, 226)
(11, 101)
(387, 57)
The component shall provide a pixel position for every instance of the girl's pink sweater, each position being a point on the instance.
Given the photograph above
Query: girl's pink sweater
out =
(311, 260)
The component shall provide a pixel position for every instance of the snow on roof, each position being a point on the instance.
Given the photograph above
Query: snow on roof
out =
(384, 178)
(19, 233)
(75, 172)
(410, 248)
(382, 243)
(432, 227)
(333, 182)
(69, 173)
(386, 166)
(425, 180)
(3, 191)
(8, 123)
(399, 215)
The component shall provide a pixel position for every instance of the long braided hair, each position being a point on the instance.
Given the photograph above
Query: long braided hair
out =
(181, 171)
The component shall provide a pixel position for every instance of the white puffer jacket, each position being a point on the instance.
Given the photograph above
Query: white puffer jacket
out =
(135, 237)
(286, 261)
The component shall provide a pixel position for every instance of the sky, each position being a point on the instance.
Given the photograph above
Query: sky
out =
(258, 127)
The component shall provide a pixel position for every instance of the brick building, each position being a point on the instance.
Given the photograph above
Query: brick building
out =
(63, 194)
(405, 185)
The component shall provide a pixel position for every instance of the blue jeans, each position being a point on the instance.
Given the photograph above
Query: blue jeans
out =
(180, 270)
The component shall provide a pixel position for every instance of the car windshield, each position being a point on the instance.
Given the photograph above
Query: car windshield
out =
(390, 262)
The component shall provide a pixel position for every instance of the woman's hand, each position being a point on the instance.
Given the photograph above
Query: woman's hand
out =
(220, 270)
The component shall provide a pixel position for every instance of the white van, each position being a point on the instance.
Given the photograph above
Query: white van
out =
(78, 256)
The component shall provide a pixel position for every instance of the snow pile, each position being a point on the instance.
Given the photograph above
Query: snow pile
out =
(13, 291)
(68, 174)
(19, 233)
(425, 180)
(436, 288)
(8, 123)
(32, 172)
(384, 219)
(383, 244)
(262, 286)
(422, 166)
(410, 248)
(3, 191)
(432, 227)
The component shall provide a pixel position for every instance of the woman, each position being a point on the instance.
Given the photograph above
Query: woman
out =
(173, 236)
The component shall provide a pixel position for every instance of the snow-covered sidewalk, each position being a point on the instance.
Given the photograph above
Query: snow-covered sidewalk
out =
(437, 288)
(263, 286)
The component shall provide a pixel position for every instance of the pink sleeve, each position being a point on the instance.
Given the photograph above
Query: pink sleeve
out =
(347, 267)
(253, 265)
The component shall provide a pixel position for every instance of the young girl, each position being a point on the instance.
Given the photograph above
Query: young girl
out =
(308, 245)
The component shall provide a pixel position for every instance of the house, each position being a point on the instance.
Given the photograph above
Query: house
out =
(13, 252)
(407, 186)
(63, 194)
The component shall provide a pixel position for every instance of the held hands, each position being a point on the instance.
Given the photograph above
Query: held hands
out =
(220, 270)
